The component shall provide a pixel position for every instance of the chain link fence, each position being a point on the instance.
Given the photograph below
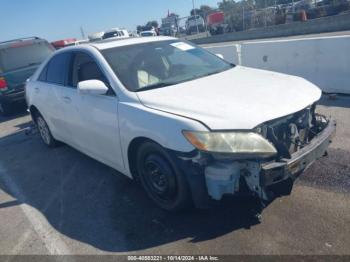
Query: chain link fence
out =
(250, 18)
(244, 15)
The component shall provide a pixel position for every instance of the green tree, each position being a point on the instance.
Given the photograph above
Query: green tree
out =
(151, 24)
(260, 4)
(196, 11)
(139, 28)
(234, 13)
(205, 10)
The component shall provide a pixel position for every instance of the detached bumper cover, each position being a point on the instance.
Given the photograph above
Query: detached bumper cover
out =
(228, 175)
(275, 172)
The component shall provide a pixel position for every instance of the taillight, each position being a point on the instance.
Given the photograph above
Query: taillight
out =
(3, 84)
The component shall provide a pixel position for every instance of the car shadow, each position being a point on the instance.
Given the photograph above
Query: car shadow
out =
(90, 202)
(18, 110)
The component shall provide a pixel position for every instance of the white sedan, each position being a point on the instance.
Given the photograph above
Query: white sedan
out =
(189, 126)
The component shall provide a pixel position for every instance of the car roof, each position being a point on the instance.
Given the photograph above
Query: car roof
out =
(107, 44)
(11, 43)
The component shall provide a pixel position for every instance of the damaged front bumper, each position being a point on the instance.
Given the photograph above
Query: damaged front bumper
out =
(274, 172)
(214, 179)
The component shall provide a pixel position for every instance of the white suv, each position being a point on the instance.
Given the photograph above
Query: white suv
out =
(188, 125)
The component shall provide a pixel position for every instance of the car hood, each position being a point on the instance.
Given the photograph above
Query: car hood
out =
(239, 98)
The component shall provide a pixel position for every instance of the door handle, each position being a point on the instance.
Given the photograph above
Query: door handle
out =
(67, 99)
(37, 90)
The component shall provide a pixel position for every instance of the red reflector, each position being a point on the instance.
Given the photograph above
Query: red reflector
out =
(3, 83)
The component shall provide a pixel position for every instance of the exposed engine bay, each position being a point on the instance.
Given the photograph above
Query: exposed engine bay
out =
(290, 134)
(300, 139)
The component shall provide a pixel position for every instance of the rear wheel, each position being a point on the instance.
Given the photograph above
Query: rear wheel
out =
(161, 179)
(45, 132)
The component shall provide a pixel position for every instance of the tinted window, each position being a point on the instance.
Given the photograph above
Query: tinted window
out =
(147, 34)
(85, 68)
(57, 69)
(110, 34)
(24, 54)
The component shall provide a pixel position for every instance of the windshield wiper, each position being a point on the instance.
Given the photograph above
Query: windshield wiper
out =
(219, 71)
(213, 73)
(155, 86)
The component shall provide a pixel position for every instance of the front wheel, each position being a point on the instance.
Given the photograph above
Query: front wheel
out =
(161, 179)
(45, 132)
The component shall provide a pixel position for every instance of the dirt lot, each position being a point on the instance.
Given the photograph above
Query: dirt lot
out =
(62, 202)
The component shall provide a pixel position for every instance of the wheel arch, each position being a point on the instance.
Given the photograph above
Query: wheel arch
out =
(34, 111)
(134, 145)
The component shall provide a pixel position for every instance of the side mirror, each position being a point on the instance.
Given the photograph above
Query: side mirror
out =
(220, 55)
(92, 87)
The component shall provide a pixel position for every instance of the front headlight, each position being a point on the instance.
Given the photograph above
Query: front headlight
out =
(243, 143)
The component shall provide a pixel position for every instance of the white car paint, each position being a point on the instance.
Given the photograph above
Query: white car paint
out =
(240, 98)
(103, 127)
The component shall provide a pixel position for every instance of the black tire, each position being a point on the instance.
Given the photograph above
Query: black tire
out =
(161, 179)
(44, 132)
(5, 108)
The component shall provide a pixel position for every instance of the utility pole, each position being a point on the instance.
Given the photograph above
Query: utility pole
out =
(265, 11)
(195, 16)
(243, 22)
(82, 32)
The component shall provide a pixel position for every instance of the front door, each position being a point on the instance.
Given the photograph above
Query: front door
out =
(96, 128)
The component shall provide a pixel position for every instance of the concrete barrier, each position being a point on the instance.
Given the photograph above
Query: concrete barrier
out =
(231, 52)
(323, 61)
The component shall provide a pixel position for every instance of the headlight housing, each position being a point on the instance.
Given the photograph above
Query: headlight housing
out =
(245, 144)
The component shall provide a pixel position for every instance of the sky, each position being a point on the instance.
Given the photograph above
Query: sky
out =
(59, 19)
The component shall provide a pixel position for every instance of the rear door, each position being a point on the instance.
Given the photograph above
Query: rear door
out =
(48, 96)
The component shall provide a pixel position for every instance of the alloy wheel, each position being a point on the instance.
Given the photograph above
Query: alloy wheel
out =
(44, 130)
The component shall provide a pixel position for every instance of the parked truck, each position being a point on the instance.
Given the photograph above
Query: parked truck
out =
(195, 24)
(169, 25)
(216, 23)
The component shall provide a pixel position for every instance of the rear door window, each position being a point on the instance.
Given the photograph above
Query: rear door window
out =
(57, 69)
(23, 54)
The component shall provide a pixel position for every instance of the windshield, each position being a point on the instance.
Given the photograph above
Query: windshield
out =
(21, 56)
(163, 63)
